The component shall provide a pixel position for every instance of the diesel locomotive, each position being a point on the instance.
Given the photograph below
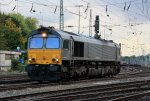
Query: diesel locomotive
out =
(55, 55)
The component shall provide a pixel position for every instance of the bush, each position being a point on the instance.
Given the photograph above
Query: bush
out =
(16, 66)
(21, 67)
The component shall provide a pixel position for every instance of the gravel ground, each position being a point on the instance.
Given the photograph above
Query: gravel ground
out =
(129, 70)
(11, 73)
(62, 87)
(78, 85)
(145, 98)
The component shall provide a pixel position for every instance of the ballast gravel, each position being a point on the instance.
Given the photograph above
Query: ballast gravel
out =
(71, 86)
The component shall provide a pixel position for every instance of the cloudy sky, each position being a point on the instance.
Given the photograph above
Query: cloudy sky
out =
(128, 19)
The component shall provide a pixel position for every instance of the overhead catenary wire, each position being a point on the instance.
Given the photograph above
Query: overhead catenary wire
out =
(52, 6)
(128, 9)
(73, 6)
(7, 3)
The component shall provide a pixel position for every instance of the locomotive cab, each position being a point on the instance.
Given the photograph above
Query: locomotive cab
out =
(44, 55)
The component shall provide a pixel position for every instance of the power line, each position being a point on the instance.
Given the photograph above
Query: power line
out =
(128, 10)
(112, 23)
(29, 1)
(50, 2)
(65, 9)
(7, 3)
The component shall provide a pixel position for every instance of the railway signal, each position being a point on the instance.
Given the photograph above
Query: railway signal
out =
(97, 24)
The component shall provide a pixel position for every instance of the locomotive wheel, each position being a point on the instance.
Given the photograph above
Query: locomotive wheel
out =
(76, 76)
(109, 74)
(118, 69)
(83, 75)
(64, 77)
(67, 76)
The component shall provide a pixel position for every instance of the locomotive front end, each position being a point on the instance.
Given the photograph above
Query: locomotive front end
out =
(44, 55)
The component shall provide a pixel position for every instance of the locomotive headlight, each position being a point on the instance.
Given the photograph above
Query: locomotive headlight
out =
(55, 60)
(44, 34)
(30, 59)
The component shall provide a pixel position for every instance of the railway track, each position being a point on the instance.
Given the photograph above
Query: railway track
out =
(14, 78)
(134, 89)
(33, 84)
(91, 93)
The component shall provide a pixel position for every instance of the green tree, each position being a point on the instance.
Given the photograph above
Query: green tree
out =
(31, 23)
(12, 34)
(14, 30)
(27, 24)
(20, 22)
(3, 43)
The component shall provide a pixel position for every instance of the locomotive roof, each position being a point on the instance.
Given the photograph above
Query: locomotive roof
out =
(76, 37)
(82, 38)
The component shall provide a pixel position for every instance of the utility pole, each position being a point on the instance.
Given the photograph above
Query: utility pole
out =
(79, 18)
(17, 6)
(90, 23)
(61, 23)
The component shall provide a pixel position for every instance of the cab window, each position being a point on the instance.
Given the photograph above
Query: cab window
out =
(36, 43)
(53, 43)
(66, 44)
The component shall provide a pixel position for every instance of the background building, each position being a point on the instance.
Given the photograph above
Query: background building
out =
(5, 59)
